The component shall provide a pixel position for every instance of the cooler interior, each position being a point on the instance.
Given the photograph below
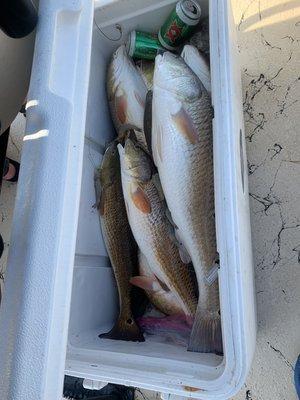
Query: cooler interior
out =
(94, 306)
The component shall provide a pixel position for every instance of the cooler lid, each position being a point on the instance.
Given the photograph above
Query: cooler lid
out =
(35, 310)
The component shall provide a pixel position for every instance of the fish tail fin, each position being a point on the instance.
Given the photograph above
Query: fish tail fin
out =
(124, 329)
(206, 336)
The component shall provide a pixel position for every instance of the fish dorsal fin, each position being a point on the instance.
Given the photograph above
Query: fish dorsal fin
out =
(156, 139)
(101, 202)
(140, 199)
(157, 184)
(170, 219)
(159, 139)
(185, 125)
(148, 120)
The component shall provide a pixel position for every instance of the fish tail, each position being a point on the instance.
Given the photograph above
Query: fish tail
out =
(124, 329)
(206, 336)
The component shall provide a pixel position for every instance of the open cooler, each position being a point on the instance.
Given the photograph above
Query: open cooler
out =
(59, 290)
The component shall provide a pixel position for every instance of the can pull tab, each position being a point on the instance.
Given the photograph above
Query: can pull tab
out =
(212, 275)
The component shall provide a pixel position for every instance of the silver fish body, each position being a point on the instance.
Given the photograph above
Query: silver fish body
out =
(126, 92)
(182, 146)
(198, 64)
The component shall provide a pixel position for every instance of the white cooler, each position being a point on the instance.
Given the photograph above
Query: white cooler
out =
(59, 289)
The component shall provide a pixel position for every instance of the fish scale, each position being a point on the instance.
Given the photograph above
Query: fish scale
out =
(182, 146)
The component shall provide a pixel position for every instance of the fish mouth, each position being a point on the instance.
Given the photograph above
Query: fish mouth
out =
(124, 165)
(135, 161)
(168, 69)
(173, 75)
(132, 154)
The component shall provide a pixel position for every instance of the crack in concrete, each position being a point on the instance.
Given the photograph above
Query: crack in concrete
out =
(256, 85)
(291, 38)
(278, 238)
(265, 42)
(284, 105)
(244, 13)
(267, 201)
(281, 356)
(270, 199)
(297, 250)
(276, 149)
(264, 201)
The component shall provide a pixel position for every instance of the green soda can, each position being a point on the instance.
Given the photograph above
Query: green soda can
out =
(143, 45)
(180, 24)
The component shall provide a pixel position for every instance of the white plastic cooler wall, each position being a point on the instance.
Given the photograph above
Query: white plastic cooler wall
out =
(160, 366)
(69, 121)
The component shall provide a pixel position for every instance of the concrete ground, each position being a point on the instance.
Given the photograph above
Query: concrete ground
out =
(8, 193)
(269, 45)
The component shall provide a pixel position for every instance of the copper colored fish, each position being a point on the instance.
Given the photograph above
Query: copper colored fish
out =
(118, 239)
(146, 210)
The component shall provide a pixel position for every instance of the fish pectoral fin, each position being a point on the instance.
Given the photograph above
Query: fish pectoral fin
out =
(140, 200)
(146, 283)
(98, 189)
(185, 125)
